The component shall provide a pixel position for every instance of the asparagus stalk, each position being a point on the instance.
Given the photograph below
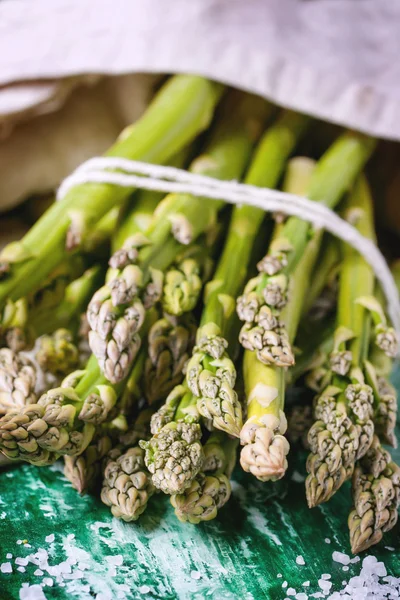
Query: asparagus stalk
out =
(174, 455)
(211, 488)
(181, 109)
(376, 495)
(262, 436)
(322, 293)
(17, 381)
(183, 281)
(344, 428)
(265, 296)
(127, 484)
(58, 353)
(170, 343)
(83, 471)
(117, 310)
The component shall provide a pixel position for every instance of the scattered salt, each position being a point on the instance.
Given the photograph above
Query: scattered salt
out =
(50, 538)
(6, 567)
(144, 589)
(31, 592)
(284, 584)
(19, 542)
(301, 596)
(341, 558)
(279, 575)
(306, 584)
(300, 560)
(327, 541)
(22, 561)
(324, 585)
(195, 575)
(345, 568)
(291, 592)
(21, 569)
(124, 588)
(326, 576)
(116, 560)
(9, 555)
(38, 573)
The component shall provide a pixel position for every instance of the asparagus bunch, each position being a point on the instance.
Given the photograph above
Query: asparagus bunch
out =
(344, 429)
(182, 108)
(209, 389)
(276, 297)
(117, 310)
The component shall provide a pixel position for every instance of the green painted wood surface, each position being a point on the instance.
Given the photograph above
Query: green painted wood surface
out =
(238, 556)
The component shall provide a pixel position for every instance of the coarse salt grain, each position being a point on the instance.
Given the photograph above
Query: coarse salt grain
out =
(301, 596)
(50, 538)
(300, 560)
(21, 569)
(284, 584)
(340, 557)
(22, 561)
(195, 575)
(306, 584)
(19, 542)
(345, 568)
(390, 548)
(327, 541)
(31, 592)
(279, 575)
(326, 576)
(116, 560)
(144, 589)
(48, 581)
(9, 555)
(324, 584)
(290, 592)
(6, 567)
(38, 573)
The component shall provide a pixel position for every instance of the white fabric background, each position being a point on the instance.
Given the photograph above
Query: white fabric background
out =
(336, 59)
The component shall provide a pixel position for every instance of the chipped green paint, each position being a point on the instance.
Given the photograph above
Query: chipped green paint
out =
(257, 536)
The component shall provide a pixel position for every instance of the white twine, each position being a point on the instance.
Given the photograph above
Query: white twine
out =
(134, 174)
